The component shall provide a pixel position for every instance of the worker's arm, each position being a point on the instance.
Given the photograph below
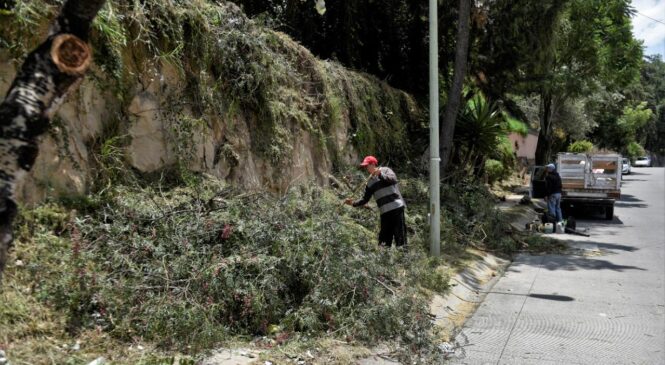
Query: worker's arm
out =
(365, 199)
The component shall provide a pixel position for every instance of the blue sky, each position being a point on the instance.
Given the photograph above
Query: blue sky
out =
(648, 30)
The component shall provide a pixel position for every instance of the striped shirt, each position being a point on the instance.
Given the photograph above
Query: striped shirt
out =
(385, 191)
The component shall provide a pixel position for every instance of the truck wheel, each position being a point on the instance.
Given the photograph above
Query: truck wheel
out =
(609, 213)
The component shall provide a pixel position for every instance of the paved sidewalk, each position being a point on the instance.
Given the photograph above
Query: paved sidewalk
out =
(604, 304)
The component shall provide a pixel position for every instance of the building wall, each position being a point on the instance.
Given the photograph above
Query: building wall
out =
(525, 146)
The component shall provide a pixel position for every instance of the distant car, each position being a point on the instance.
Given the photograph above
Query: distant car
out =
(625, 166)
(644, 161)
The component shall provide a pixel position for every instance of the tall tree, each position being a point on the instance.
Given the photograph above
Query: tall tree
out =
(653, 81)
(594, 48)
(447, 129)
(48, 74)
(513, 43)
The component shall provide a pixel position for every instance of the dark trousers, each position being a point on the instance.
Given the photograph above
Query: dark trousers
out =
(393, 225)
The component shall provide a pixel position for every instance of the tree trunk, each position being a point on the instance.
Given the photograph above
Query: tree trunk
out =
(52, 70)
(455, 93)
(7, 4)
(544, 147)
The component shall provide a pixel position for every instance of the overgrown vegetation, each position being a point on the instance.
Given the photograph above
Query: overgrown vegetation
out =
(216, 66)
(189, 268)
(184, 263)
(482, 146)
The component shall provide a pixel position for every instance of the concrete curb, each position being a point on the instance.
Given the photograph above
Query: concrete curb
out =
(471, 285)
(469, 288)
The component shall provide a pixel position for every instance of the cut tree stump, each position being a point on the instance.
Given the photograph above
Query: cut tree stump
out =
(49, 73)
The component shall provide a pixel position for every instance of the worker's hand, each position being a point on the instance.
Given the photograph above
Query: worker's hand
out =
(348, 201)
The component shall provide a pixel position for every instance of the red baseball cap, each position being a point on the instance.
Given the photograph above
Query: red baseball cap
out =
(369, 160)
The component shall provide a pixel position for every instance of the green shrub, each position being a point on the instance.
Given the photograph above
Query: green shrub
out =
(516, 125)
(495, 171)
(634, 150)
(582, 146)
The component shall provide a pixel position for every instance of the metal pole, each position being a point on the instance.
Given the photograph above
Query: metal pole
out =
(435, 160)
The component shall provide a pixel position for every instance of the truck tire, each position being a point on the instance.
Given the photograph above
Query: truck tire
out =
(609, 212)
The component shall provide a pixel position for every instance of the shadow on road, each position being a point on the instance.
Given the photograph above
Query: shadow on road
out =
(571, 263)
(629, 198)
(600, 245)
(590, 258)
(633, 173)
(558, 298)
(589, 215)
(630, 205)
(555, 297)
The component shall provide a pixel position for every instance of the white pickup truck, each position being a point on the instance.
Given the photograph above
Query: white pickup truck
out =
(587, 180)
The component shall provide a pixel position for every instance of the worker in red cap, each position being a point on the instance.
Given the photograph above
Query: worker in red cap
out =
(382, 184)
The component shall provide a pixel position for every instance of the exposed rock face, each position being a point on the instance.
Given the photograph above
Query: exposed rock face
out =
(221, 148)
(148, 150)
(319, 112)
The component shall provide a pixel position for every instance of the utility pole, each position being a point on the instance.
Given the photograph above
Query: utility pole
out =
(435, 160)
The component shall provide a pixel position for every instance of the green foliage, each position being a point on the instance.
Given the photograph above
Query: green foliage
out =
(624, 128)
(189, 267)
(653, 83)
(595, 43)
(228, 67)
(634, 150)
(583, 146)
(633, 120)
(581, 47)
(480, 126)
(471, 218)
(516, 125)
(17, 26)
(495, 171)
(516, 41)
(544, 244)
(386, 38)
(481, 134)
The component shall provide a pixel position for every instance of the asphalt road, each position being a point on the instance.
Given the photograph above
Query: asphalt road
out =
(602, 304)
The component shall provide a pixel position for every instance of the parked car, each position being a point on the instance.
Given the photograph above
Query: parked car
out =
(625, 166)
(644, 161)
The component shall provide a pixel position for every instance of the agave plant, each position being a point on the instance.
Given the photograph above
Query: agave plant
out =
(481, 126)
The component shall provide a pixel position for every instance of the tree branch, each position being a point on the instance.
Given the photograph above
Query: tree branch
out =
(48, 74)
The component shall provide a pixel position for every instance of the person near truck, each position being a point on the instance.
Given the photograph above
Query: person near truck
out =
(383, 186)
(553, 193)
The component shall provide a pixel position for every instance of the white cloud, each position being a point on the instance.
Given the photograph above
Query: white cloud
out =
(650, 31)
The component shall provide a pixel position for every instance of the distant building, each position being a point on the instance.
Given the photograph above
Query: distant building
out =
(525, 146)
